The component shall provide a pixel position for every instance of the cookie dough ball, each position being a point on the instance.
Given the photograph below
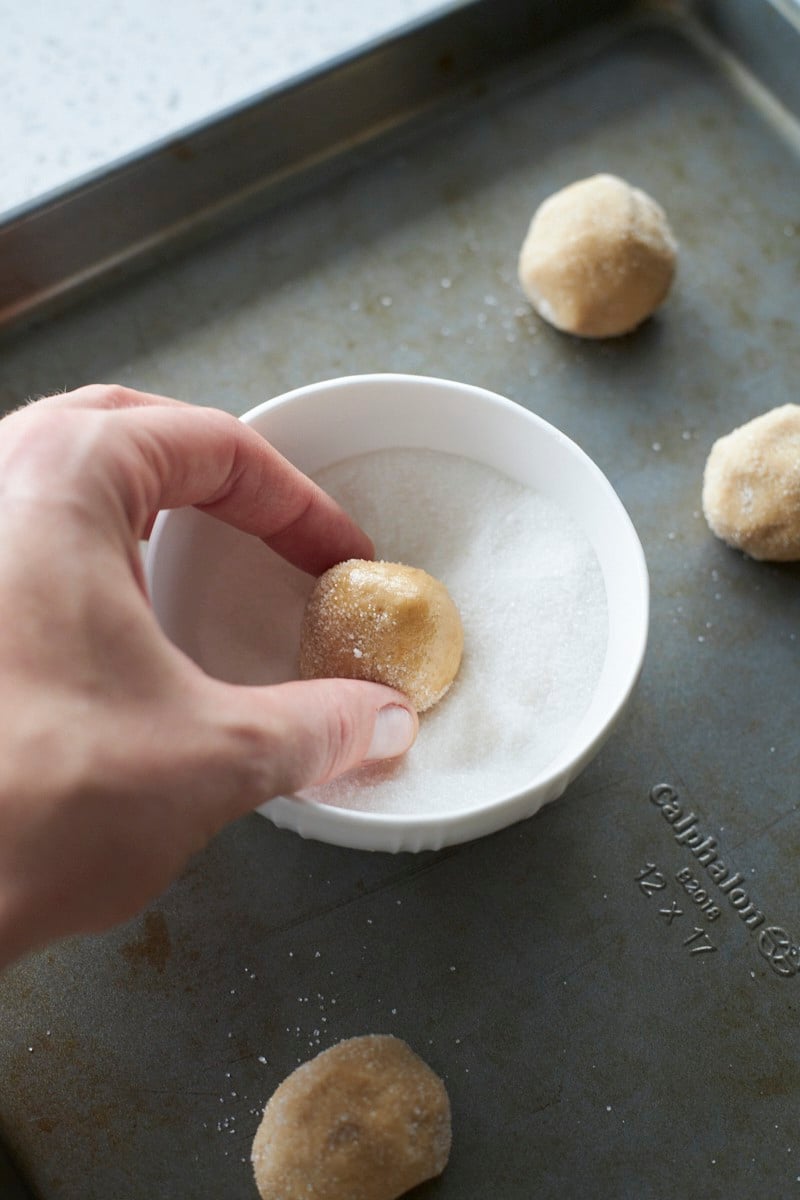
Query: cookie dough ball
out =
(751, 486)
(365, 1120)
(598, 259)
(384, 622)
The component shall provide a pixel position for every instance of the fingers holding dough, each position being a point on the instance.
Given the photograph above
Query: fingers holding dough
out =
(386, 623)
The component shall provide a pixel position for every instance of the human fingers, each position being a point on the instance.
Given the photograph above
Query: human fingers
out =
(208, 459)
(107, 828)
(291, 736)
(104, 396)
(131, 461)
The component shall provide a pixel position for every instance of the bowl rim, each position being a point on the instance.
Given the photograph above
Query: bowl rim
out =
(365, 829)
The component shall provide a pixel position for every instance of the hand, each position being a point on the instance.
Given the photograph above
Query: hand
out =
(119, 757)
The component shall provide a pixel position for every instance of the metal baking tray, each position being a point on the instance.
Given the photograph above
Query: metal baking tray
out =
(613, 1019)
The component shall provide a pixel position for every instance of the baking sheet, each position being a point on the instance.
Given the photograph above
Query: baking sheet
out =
(279, 144)
(599, 1034)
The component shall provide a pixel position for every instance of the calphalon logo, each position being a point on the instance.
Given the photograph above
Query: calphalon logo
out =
(773, 942)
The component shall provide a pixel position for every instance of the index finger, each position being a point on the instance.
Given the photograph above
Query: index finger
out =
(103, 396)
(208, 459)
(129, 462)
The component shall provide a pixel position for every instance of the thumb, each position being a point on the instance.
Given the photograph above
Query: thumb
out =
(296, 735)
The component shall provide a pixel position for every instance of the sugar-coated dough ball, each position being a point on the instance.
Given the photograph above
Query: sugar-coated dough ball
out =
(751, 486)
(598, 259)
(365, 1120)
(384, 622)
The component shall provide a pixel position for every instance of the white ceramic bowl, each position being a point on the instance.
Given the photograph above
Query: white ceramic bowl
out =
(321, 424)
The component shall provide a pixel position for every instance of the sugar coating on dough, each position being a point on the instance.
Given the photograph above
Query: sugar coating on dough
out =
(365, 1120)
(384, 622)
(751, 486)
(599, 257)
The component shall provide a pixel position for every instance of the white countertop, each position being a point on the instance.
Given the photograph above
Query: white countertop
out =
(86, 83)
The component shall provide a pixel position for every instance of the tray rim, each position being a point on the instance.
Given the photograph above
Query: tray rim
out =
(291, 138)
(245, 159)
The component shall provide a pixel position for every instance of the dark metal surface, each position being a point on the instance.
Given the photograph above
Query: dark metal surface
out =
(603, 1032)
(12, 1185)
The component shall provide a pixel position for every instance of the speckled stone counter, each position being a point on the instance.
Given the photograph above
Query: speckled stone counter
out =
(82, 85)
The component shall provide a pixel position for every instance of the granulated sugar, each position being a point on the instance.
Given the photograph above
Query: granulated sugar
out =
(531, 596)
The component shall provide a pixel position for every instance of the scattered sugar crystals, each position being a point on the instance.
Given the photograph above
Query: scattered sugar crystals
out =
(531, 596)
